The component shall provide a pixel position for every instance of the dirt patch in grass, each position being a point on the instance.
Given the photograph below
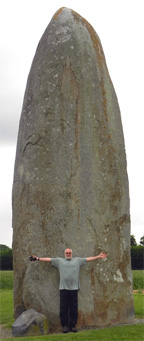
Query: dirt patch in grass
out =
(5, 333)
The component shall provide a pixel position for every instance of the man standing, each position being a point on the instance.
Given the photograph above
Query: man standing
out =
(69, 269)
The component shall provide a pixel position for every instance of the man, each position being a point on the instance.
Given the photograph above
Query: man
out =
(69, 268)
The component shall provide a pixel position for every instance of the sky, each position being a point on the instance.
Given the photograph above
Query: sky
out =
(120, 26)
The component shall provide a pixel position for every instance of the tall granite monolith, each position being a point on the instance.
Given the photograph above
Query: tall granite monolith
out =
(70, 184)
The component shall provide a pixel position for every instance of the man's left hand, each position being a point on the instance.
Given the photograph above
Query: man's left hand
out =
(102, 255)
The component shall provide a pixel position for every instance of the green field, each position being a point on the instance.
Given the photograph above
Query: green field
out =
(6, 279)
(131, 333)
(138, 279)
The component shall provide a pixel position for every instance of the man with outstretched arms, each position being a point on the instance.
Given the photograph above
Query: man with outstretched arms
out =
(69, 268)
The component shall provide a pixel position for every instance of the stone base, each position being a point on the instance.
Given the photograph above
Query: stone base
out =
(30, 323)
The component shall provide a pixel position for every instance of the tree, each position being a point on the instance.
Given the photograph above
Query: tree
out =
(133, 241)
(6, 258)
(3, 247)
(137, 256)
(142, 240)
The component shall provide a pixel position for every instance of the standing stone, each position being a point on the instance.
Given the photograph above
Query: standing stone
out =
(70, 181)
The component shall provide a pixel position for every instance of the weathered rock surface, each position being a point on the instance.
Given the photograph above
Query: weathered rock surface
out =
(30, 322)
(70, 181)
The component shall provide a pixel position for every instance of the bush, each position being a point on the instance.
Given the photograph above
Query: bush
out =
(133, 240)
(6, 259)
(137, 257)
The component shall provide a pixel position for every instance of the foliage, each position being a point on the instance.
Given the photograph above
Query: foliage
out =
(137, 257)
(6, 259)
(133, 240)
(3, 247)
(142, 240)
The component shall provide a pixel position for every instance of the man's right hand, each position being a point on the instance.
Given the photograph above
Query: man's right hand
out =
(46, 259)
(33, 258)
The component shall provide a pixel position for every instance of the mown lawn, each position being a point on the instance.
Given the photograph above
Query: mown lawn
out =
(138, 279)
(6, 279)
(123, 333)
(139, 305)
(6, 306)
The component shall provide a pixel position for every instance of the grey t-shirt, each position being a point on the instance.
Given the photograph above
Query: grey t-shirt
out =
(69, 272)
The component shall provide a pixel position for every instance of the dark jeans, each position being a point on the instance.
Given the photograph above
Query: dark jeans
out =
(68, 307)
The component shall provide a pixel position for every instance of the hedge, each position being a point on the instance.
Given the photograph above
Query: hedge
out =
(137, 257)
(6, 259)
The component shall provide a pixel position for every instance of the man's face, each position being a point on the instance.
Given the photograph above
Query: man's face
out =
(68, 254)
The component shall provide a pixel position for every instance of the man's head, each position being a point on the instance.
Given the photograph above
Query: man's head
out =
(68, 254)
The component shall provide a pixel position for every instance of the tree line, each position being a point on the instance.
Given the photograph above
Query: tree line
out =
(6, 258)
(137, 255)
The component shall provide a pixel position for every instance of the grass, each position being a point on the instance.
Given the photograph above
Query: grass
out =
(6, 279)
(122, 333)
(139, 305)
(138, 279)
(6, 307)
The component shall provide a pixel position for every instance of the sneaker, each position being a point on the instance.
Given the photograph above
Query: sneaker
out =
(65, 329)
(74, 330)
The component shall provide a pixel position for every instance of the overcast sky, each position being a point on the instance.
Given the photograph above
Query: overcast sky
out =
(120, 26)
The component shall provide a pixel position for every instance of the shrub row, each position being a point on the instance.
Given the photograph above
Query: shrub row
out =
(137, 257)
(6, 259)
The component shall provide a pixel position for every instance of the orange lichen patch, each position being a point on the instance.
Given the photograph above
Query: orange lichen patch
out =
(104, 98)
(57, 13)
(77, 125)
(92, 274)
(97, 317)
(85, 319)
(69, 91)
(94, 37)
(70, 94)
